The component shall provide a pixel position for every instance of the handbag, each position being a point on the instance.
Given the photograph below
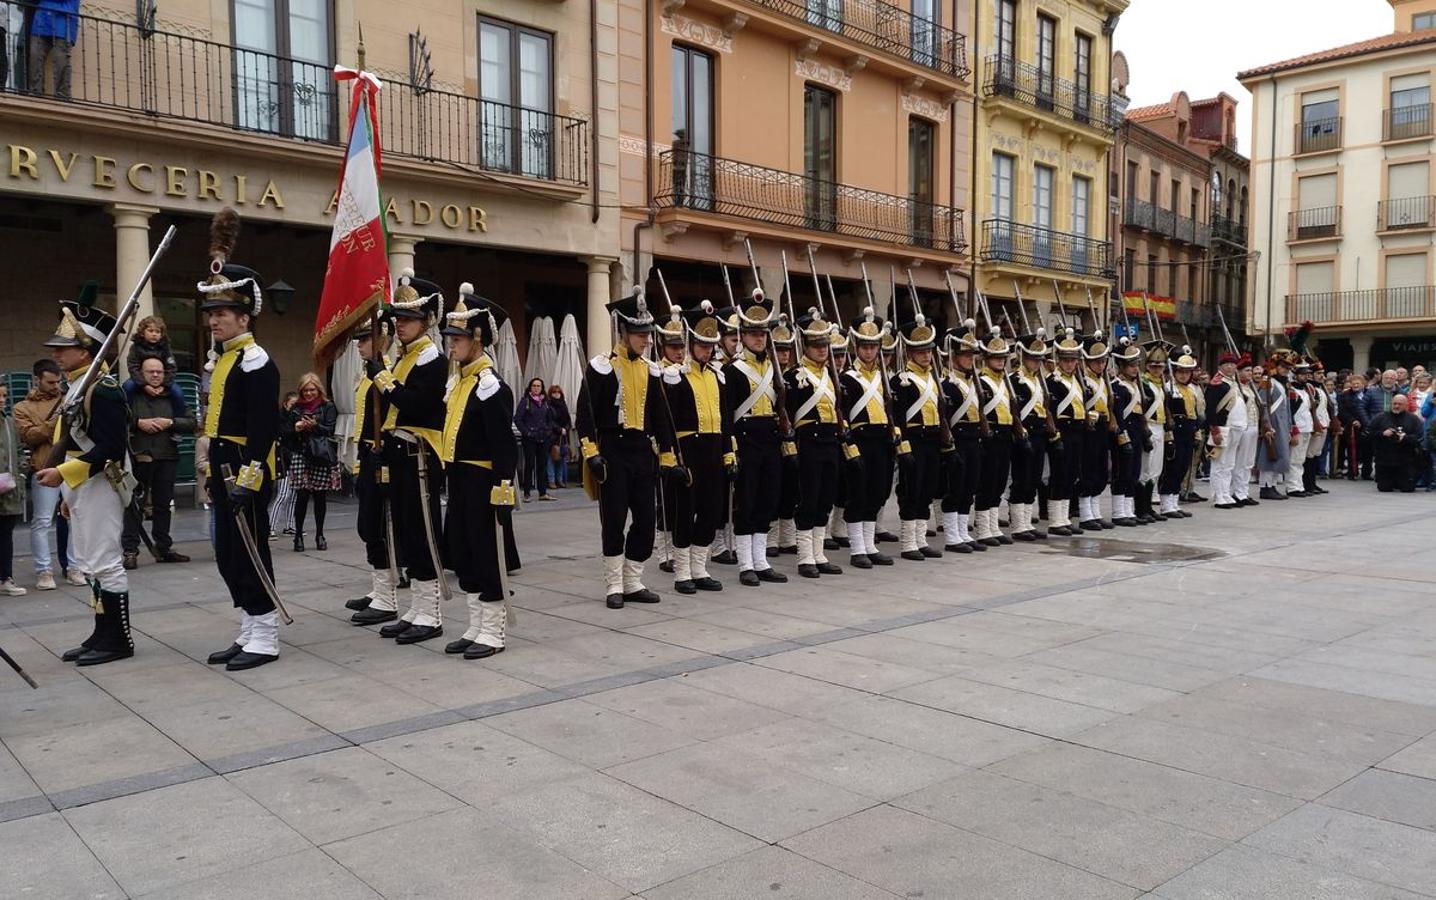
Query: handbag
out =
(323, 450)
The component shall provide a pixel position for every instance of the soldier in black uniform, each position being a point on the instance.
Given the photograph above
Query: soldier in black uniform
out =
(1067, 395)
(1103, 436)
(242, 424)
(413, 433)
(836, 535)
(1029, 450)
(480, 459)
(870, 480)
(371, 478)
(782, 535)
(1131, 418)
(964, 464)
(91, 448)
(726, 350)
(918, 401)
(752, 387)
(813, 409)
(1184, 421)
(620, 415)
(997, 445)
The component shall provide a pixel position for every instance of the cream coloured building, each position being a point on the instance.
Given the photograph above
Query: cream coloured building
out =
(1343, 205)
(497, 121)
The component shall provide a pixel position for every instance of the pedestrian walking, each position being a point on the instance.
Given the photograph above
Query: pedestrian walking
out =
(313, 471)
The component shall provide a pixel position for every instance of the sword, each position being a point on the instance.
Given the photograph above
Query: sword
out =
(246, 537)
(510, 619)
(423, 461)
(138, 521)
(18, 671)
(389, 531)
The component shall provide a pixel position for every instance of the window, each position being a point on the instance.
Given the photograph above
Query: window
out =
(515, 98)
(1423, 21)
(926, 16)
(921, 141)
(1046, 60)
(1176, 196)
(1320, 121)
(1196, 203)
(1174, 269)
(1004, 78)
(1406, 290)
(1410, 113)
(1082, 78)
(1154, 189)
(1152, 273)
(1216, 193)
(820, 155)
(1129, 268)
(1081, 204)
(826, 14)
(1042, 180)
(1316, 214)
(1002, 186)
(1314, 283)
(283, 59)
(693, 132)
(1408, 187)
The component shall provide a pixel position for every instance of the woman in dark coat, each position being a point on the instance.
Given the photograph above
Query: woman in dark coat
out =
(314, 462)
(534, 421)
(562, 422)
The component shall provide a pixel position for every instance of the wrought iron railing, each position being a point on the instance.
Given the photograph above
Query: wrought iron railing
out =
(1313, 224)
(1035, 87)
(1417, 302)
(1402, 123)
(1318, 135)
(118, 65)
(1229, 230)
(1139, 214)
(1412, 213)
(1042, 248)
(885, 27)
(727, 187)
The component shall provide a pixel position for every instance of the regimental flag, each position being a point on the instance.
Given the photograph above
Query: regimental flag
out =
(357, 278)
(1164, 307)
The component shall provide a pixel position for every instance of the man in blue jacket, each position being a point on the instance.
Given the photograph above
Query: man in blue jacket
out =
(53, 31)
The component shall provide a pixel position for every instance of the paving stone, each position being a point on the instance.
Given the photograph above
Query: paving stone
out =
(685, 710)
(1005, 706)
(953, 737)
(849, 670)
(1418, 759)
(87, 754)
(214, 730)
(44, 858)
(1391, 796)
(704, 637)
(311, 874)
(353, 701)
(1127, 667)
(795, 694)
(767, 872)
(1393, 854)
(1385, 685)
(914, 856)
(1245, 873)
(587, 733)
(1337, 706)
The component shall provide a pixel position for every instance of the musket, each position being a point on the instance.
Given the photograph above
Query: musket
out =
(882, 361)
(944, 427)
(1106, 373)
(1152, 318)
(1061, 306)
(663, 390)
(983, 427)
(792, 329)
(381, 471)
(780, 387)
(1017, 424)
(1226, 332)
(1051, 424)
(10, 661)
(728, 285)
(838, 410)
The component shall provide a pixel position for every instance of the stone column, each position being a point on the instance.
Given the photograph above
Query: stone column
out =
(401, 253)
(600, 331)
(1361, 351)
(132, 253)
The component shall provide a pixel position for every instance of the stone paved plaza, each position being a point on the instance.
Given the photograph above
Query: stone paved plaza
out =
(1242, 704)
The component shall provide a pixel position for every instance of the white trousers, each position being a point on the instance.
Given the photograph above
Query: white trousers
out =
(1152, 459)
(1245, 447)
(96, 520)
(1298, 461)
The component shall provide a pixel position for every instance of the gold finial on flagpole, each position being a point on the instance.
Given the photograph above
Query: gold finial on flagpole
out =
(360, 50)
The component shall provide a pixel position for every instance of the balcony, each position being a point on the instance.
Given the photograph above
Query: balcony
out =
(1383, 304)
(880, 26)
(1406, 214)
(1189, 231)
(1005, 241)
(725, 187)
(165, 76)
(1139, 214)
(1229, 230)
(1030, 86)
(1318, 136)
(1406, 123)
(1321, 223)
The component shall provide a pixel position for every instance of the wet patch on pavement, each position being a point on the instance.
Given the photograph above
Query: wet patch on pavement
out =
(1129, 551)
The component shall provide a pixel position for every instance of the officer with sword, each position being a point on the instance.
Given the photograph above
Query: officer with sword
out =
(371, 481)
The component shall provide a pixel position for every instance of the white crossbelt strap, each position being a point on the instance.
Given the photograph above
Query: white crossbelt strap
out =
(1031, 404)
(1136, 402)
(764, 387)
(1068, 400)
(926, 393)
(870, 392)
(1277, 399)
(998, 391)
(1156, 405)
(822, 390)
(969, 396)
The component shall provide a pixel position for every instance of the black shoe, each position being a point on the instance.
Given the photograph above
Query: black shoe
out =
(299, 542)
(707, 583)
(929, 552)
(359, 603)
(1193, 497)
(417, 634)
(1059, 530)
(100, 657)
(666, 566)
(220, 657)
(989, 542)
(748, 578)
(957, 548)
(1003, 539)
(1225, 505)
(914, 555)
(842, 544)
(1317, 488)
(130, 560)
(829, 568)
(403, 584)
(170, 556)
(880, 559)
(726, 558)
(830, 544)
(977, 546)
(685, 587)
(885, 537)
(73, 654)
(642, 595)
(931, 533)
(372, 616)
(808, 570)
(772, 552)
(320, 543)
(482, 651)
(614, 601)
(860, 561)
(1247, 501)
(250, 661)
(1106, 524)
(1024, 536)
(1297, 494)
(1090, 525)
(1038, 535)
(1267, 493)
(789, 551)
(459, 646)
(394, 629)
(772, 576)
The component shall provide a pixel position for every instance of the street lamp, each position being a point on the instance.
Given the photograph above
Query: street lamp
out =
(280, 293)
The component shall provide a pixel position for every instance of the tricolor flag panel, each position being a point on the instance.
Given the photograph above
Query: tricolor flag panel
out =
(357, 277)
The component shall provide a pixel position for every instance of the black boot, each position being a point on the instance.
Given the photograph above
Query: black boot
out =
(726, 558)
(459, 646)
(748, 578)
(220, 657)
(808, 570)
(319, 542)
(772, 576)
(298, 542)
(114, 642)
(685, 587)
(860, 561)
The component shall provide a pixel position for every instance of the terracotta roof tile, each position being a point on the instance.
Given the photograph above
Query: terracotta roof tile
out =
(1142, 113)
(1371, 45)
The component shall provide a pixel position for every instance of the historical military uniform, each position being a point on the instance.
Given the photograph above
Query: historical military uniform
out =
(480, 459)
(1157, 456)
(242, 425)
(751, 388)
(836, 535)
(619, 416)
(1273, 461)
(1303, 427)
(1102, 437)
(93, 438)
(917, 398)
(1184, 421)
(782, 534)
(1132, 438)
(1029, 455)
(812, 396)
(371, 477)
(723, 544)
(864, 397)
(963, 394)
(1227, 405)
(1067, 395)
(1321, 422)
(997, 446)
(413, 430)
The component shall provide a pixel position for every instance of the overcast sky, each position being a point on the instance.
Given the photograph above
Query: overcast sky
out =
(1198, 46)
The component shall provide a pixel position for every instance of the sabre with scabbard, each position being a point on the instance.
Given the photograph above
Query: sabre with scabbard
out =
(1051, 424)
(984, 429)
(251, 549)
(1019, 427)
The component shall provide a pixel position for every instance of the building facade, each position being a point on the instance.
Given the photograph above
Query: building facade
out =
(1044, 134)
(497, 122)
(837, 128)
(1342, 195)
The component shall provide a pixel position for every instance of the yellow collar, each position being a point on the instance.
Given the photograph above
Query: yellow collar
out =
(477, 366)
(238, 342)
(916, 369)
(419, 345)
